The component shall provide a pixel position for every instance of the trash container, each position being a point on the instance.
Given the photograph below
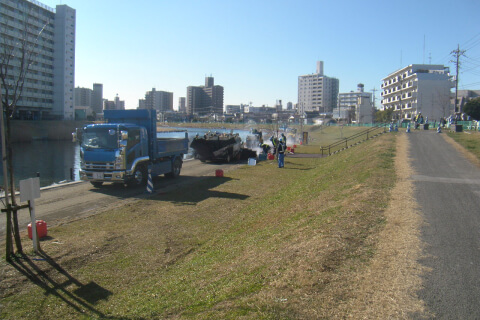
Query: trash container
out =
(41, 229)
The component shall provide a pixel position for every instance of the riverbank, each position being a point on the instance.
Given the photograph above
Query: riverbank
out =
(259, 243)
(27, 131)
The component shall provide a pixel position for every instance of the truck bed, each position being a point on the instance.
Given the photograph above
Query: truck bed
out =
(166, 147)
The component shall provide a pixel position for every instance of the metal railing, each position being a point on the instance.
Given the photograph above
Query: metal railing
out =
(353, 140)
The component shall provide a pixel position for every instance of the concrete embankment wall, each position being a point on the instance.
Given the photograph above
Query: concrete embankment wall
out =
(25, 131)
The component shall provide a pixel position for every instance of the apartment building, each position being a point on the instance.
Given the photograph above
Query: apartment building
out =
(357, 102)
(317, 92)
(159, 100)
(418, 88)
(116, 104)
(49, 34)
(83, 97)
(207, 99)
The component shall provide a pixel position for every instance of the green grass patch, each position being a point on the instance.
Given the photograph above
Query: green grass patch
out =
(338, 137)
(261, 243)
(469, 140)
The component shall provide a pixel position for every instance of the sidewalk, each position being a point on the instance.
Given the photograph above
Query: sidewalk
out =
(447, 189)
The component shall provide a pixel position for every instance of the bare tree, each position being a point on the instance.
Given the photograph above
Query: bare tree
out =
(17, 55)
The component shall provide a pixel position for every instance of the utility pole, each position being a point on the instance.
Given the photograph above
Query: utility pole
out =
(373, 97)
(373, 104)
(456, 54)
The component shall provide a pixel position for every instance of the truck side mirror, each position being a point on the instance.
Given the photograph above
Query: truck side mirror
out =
(77, 135)
(123, 138)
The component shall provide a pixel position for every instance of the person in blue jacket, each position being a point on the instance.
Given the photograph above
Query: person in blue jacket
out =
(281, 153)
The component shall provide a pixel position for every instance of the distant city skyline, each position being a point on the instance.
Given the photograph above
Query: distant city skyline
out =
(257, 50)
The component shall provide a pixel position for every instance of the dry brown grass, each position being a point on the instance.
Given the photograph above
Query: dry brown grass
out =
(387, 289)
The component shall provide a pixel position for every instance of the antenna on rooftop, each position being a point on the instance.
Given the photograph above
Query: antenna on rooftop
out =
(423, 49)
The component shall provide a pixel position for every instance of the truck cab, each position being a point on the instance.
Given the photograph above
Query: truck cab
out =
(123, 152)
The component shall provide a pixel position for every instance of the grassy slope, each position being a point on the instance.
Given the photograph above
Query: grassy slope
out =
(260, 243)
(470, 141)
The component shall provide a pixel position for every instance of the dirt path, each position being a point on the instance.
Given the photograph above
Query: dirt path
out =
(388, 288)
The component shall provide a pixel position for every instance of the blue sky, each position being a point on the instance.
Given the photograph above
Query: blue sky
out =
(256, 49)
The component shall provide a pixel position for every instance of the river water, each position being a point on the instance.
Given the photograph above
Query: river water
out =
(59, 161)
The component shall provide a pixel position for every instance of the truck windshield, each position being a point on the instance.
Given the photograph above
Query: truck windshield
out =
(100, 138)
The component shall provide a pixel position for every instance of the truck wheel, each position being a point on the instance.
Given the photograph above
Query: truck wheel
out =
(139, 177)
(176, 168)
(96, 184)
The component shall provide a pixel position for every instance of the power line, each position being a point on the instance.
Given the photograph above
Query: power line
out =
(465, 44)
(478, 34)
(475, 42)
(465, 86)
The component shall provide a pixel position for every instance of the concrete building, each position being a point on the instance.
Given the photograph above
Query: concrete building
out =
(464, 96)
(232, 109)
(89, 101)
(83, 97)
(108, 105)
(182, 105)
(364, 110)
(356, 102)
(48, 91)
(159, 100)
(119, 104)
(97, 98)
(317, 92)
(116, 104)
(418, 88)
(204, 100)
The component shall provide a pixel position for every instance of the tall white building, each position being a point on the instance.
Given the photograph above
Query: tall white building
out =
(48, 91)
(317, 92)
(418, 88)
